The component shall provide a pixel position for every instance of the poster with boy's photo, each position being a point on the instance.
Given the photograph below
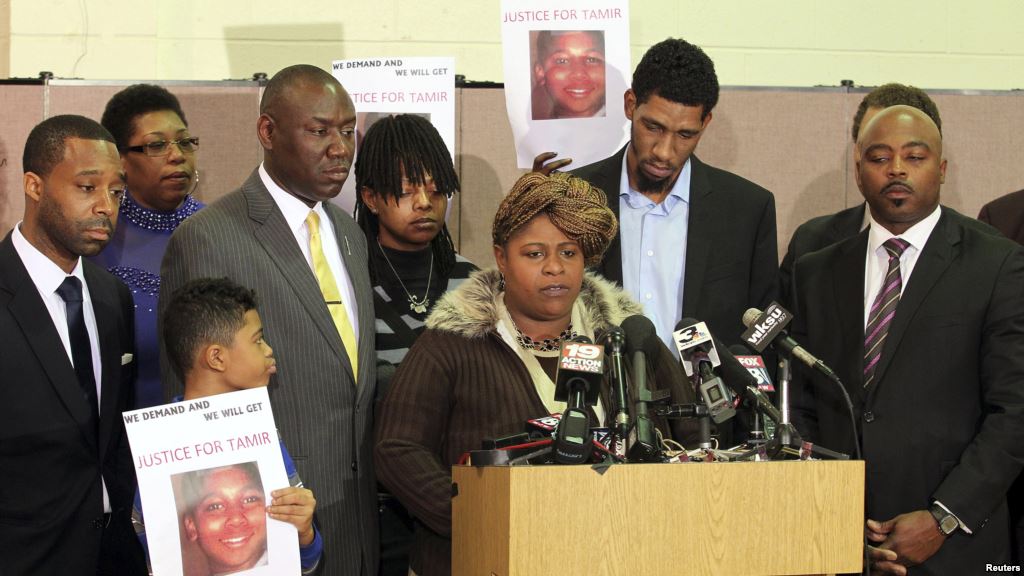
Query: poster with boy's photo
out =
(567, 64)
(206, 468)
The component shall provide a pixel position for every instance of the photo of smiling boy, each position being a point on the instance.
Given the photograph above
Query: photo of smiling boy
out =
(214, 339)
(568, 74)
(225, 516)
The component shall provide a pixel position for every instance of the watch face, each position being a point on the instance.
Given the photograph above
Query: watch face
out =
(948, 525)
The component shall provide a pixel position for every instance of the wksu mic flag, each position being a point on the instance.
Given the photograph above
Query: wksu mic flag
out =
(769, 328)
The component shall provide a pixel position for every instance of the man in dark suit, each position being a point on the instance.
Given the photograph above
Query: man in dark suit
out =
(823, 231)
(922, 317)
(306, 259)
(1006, 214)
(694, 240)
(66, 342)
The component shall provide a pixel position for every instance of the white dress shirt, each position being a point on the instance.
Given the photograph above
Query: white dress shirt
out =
(295, 212)
(877, 258)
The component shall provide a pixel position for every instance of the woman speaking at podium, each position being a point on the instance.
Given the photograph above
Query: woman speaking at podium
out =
(487, 361)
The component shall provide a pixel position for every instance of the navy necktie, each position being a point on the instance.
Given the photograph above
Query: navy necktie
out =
(81, 351)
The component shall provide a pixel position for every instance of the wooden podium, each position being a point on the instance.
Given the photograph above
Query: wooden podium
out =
(735, 518)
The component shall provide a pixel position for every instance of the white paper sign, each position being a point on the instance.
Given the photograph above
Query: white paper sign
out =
(206, 468)
(385, 86)
(566, 68)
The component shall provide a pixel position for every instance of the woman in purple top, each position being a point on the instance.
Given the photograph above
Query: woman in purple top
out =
(159, 157)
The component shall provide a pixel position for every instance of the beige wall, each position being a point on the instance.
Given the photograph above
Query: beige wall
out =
(938, 44)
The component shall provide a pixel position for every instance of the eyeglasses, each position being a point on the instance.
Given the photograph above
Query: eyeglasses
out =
(162, 147)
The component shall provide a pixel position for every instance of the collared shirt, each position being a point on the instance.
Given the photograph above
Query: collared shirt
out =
(47, 277)
(295, 212)
(877, 258)
(653, 238)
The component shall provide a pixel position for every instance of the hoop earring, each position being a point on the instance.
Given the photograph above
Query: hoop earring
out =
(192, 192)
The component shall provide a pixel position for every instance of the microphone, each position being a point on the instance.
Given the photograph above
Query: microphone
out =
(739, 380)
(641, 340)
(696, 347)
(768, 328)
(578, 383)
(745, 385)
(579, 372)
(614, 340)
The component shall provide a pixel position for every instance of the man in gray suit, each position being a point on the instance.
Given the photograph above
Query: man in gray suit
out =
(280, 235)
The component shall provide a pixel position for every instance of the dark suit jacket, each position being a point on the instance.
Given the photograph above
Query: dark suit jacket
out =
(323, 417)
(731, 248)
(52, 459)
(944, 418)
(1006, 214)
(815, 234)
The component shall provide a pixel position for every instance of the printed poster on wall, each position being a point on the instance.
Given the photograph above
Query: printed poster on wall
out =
(205, 469)
(383, 86)
(567, 66)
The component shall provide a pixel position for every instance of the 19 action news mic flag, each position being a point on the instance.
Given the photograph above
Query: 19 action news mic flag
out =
(578, 383)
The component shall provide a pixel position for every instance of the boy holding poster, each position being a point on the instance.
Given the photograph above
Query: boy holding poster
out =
(215, 344)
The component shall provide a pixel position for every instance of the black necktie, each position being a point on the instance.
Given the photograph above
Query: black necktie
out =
(81, 351)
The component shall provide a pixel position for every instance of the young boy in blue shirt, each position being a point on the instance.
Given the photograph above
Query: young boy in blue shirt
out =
(214, 340)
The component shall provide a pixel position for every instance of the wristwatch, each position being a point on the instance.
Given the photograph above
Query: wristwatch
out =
(947, 522)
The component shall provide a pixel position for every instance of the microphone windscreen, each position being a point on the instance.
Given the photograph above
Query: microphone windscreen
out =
(751, 316)
(640, 334)
(685, 323)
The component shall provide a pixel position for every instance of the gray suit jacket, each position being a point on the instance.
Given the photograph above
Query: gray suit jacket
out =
(324, 419)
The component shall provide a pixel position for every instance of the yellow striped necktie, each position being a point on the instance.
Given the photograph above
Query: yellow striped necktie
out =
(329, 289)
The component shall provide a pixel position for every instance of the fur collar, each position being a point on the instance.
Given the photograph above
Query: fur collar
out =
(469, 310)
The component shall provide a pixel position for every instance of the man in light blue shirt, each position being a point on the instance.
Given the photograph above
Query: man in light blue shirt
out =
(694, 241)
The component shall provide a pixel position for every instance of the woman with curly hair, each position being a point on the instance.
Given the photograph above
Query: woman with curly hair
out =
(487, 360)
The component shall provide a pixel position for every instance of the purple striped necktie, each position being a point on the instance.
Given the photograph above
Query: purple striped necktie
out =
(883, 309)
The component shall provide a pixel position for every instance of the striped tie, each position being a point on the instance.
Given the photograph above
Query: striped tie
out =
(329, 289)
(883, 309)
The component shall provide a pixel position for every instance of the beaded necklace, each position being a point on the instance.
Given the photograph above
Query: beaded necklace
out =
(155, 220)
(545, 345)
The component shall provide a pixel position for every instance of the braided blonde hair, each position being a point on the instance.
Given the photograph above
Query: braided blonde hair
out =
(575, 207)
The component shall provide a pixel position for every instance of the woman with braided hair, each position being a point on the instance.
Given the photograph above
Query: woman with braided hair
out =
(486, 362)
(405, 178)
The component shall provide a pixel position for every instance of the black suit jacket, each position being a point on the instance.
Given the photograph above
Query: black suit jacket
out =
(815, 234)
(731, 247)
(944, 418)
(1006, 214)
(51, 456)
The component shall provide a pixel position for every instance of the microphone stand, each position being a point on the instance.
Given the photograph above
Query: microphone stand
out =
(703, 415)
